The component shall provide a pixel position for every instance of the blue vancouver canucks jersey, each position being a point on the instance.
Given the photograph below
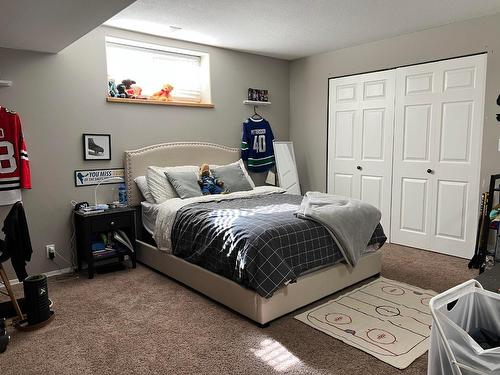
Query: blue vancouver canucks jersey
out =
(257, 145)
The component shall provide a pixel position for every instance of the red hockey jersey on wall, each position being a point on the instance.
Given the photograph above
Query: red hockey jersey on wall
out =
(14, 162)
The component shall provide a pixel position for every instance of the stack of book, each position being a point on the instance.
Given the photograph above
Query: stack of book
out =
(118, 243)
(106, 252)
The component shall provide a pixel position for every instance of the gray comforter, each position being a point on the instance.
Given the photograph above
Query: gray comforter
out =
(350, 222)
(257, 242)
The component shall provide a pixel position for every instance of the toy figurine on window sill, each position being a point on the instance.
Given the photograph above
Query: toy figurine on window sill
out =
(164, 95)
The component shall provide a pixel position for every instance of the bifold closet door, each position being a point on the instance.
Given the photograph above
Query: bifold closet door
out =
(437, 152)
(360, 130)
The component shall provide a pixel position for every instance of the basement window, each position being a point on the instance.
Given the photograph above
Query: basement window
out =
(144, 73)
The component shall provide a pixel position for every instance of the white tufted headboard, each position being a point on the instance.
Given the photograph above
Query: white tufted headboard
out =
(170, 155)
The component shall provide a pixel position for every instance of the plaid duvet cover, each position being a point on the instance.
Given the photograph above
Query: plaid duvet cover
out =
(257, 242)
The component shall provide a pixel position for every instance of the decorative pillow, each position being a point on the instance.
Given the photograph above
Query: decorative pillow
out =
(184, 182)
(234, 177)
(245, 172)
(158, 184)
(142, 184)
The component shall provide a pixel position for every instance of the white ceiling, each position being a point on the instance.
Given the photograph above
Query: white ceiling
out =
(51, 25)
(293, 28)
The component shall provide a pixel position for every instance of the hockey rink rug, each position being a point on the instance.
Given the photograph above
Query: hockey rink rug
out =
(385, 318)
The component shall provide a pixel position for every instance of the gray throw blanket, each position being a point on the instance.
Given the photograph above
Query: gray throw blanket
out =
(350, 222)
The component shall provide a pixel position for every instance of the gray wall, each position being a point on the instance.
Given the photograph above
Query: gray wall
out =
(309, 86)
(61, 96)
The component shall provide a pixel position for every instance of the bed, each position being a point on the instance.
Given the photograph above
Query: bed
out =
(258, 305)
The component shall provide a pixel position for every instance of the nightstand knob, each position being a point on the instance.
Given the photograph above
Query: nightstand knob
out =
(112, 223)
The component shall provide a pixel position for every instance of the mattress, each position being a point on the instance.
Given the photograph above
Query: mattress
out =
(256, 241)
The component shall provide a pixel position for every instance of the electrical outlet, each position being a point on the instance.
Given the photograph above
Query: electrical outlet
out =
(51, 251)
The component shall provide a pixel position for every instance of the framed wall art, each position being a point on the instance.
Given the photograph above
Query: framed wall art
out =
(96, 147)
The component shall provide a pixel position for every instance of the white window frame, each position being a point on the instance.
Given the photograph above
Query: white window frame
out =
(205, 91)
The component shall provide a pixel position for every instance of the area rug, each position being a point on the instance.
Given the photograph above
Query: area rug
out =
(385, 318)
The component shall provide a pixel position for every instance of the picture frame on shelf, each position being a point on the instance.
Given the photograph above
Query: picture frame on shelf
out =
(96, 146)
(258, 95)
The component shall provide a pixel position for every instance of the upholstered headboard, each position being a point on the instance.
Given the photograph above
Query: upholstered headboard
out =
(172, 154)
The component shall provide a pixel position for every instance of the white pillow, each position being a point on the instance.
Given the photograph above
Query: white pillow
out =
(158, 184)
(142, 184)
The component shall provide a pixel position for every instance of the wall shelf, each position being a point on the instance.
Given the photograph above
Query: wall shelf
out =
(255, 102)
(4, 83)
(157, 102)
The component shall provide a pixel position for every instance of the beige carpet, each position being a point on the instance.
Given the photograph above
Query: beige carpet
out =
(385, 318)
(140, 322)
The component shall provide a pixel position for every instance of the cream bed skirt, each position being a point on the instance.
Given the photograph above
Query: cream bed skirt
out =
(308, 288)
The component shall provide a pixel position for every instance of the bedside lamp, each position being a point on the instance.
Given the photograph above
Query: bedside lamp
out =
(120, 179)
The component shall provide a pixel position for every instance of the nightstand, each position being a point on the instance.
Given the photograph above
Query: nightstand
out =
(88, 225)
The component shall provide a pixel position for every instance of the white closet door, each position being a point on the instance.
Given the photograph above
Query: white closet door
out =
(437, 150)
(360, 130)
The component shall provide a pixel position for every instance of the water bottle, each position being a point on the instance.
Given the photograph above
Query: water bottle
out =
(122, 194)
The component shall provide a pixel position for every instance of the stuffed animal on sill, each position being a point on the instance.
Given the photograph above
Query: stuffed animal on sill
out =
(125, 89)
(112, 91)
(137, 92)
(164, 94)
(208, 183)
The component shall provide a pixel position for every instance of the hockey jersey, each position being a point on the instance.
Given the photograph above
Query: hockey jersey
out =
(257, 145)
(14, 162)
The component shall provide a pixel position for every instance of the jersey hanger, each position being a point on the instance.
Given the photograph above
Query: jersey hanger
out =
(255, 115)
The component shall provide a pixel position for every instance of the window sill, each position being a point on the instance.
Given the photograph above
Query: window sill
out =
(157, 102)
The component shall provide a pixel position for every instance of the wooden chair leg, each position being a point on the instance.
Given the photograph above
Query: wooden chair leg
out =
(5, 280)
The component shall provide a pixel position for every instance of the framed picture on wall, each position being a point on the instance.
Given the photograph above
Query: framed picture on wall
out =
(96, 147)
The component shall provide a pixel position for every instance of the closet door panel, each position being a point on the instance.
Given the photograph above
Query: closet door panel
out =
(414, 198)
(360, 129)
(413, 134)
(416, 132)
(439, 117)
(344, 134)
(372, 134)
(418, 83)
(412, 223)
(451, 209)
(372, 190)
(343, 185)
(456, 127)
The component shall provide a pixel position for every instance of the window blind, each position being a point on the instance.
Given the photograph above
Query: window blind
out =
(152, 68)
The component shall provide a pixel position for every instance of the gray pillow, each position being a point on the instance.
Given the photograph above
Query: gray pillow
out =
(185, 183)
(142, 184)
(233, 177)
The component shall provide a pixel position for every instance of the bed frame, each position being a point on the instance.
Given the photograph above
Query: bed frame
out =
(308, 288)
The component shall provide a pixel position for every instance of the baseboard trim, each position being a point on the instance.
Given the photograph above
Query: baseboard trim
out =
(58, 272)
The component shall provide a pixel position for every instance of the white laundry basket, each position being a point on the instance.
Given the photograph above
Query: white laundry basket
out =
(452, 350)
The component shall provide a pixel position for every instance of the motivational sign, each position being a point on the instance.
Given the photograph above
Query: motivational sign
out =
(88, 177)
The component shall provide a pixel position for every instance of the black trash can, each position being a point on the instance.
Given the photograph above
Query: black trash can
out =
(36, 295)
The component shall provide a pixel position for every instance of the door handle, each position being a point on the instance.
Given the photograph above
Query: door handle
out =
(359, 167)
(430, 171)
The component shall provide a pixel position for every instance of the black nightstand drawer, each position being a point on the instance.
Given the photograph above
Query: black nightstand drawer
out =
(109, 222)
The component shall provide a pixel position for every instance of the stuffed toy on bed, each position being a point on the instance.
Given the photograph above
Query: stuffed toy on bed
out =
(208, 183)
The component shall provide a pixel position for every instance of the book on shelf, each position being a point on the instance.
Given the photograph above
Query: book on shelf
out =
(117, 243)
(105, 252)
